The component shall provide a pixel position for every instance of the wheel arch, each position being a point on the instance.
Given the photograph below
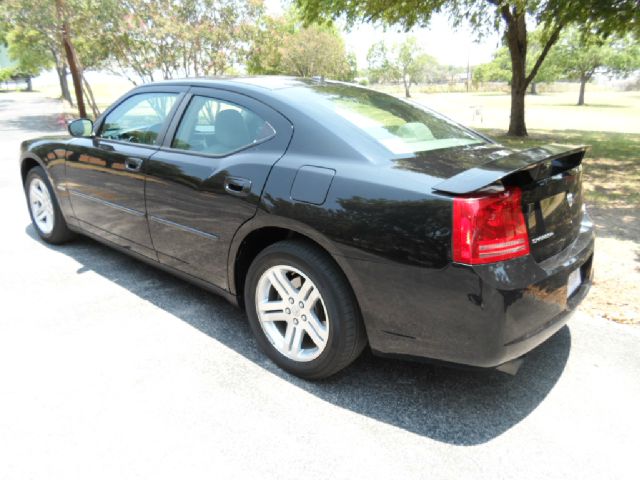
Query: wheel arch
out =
(27, 163)
(264, 230)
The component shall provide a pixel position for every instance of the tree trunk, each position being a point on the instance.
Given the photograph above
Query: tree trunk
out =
(583, 84)
(517, 125)
(407, 85)
(72, 59)
(516, 35)
(29, 85)
(64, 85)
(61, 70)
(533, 90)
(91, 98)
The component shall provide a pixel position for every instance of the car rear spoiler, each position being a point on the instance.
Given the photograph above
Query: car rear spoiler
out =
(535, 163)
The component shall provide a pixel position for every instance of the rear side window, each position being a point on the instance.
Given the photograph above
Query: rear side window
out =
(139, 118)
(216, 127)
(399, 126)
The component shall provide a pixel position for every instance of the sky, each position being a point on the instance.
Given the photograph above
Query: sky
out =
(448, 46)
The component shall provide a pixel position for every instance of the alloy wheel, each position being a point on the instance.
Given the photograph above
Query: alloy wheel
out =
(41, 206)
(292, 313)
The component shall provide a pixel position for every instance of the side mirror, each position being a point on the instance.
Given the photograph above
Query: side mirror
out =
(81, 127)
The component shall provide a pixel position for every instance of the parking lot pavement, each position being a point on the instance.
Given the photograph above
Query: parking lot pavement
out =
(111, 369)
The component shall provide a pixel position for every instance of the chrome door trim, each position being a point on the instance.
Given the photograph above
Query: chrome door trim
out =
(179, 226)
(121, 208)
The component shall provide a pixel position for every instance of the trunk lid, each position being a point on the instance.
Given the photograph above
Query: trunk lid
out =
(550, 178)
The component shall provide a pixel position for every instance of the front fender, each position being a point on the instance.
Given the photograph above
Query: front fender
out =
(50, 153)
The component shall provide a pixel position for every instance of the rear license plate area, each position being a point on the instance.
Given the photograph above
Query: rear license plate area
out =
(573, 282)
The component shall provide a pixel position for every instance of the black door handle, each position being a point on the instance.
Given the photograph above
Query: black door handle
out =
(240, 187)
(133, 164)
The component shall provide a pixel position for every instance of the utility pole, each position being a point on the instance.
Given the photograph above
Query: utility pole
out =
(72, 58)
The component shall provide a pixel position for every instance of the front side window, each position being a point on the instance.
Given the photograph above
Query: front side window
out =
(139, 118)
(399, 126)
(216, 127)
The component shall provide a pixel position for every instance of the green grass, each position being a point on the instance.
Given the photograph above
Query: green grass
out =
(612, 164)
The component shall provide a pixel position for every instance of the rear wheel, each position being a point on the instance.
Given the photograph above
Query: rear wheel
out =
(302, 310)
(45, 212)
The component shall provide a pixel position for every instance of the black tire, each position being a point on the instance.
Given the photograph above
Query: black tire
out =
(346, 337)
(60, 232)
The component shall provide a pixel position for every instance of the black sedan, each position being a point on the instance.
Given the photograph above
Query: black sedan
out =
(337, 216)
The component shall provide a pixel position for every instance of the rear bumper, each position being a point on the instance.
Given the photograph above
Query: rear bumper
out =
(484, 315)
(533, 313)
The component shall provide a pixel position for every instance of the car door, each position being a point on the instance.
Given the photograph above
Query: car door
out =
(207, 178)
(105, 172)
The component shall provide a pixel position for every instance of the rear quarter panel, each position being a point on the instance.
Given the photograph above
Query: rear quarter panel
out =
(385, 229)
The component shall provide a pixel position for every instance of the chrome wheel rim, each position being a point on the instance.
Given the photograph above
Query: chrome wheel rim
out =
(41, 206)
(292, 313)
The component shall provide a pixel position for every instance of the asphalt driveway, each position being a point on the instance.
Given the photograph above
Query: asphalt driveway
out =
(111, 369)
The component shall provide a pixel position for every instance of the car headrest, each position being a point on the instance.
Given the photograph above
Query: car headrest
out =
(231, 130)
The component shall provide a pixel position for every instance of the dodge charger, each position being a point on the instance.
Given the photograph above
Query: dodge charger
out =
(336, 216)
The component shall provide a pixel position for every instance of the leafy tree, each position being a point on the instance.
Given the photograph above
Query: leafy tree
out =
(508, 16)
(404, 62)
(582, 54)
(432, 71)
(265, 55)
(351, 71)
(315, 51)
(411, 63)
(283, 46)
(29, 50)
(499, 69)
(25, 51)
(382, 69)
(168, 38)
(30, 31)
(56, 29)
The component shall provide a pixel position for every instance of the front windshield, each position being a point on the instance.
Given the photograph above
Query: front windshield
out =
(399, 126)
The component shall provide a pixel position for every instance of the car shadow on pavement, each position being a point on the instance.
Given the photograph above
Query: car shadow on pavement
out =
(455, 406)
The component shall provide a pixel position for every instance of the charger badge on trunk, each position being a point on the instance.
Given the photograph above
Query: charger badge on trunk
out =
(542, 237)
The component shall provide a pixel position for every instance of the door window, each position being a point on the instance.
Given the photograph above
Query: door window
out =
(216, 127)
(139, 118)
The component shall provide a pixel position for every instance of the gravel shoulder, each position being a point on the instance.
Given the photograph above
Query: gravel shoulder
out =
(616, 288)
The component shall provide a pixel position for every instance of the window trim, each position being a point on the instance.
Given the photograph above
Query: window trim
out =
(180, 94)
(218, 95)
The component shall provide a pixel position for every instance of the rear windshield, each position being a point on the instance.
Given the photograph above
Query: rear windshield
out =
(400, 126)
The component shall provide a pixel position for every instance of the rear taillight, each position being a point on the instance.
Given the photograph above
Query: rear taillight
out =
(489, 228)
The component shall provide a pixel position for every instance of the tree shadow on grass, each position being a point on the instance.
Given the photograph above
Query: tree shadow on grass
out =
(460, 407)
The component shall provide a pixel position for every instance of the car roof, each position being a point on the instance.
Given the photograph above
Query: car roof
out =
(264, 82)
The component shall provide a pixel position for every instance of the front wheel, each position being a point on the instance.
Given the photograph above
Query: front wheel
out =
(302, 310)
(44, 209)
